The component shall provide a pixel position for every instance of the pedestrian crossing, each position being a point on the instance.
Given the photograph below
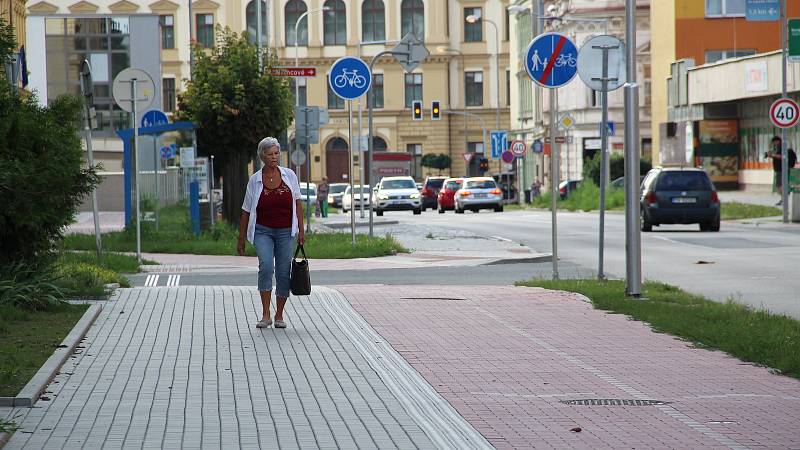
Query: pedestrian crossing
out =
(171, 280)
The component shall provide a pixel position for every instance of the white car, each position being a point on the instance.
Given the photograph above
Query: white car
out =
(335, 192)
(360, 194)
(305, 191)
(478, 193)
(397, 194)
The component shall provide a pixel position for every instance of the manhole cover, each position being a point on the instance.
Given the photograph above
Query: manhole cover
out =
(613, 402)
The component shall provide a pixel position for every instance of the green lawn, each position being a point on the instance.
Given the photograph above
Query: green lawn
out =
(750, 335)
(735, 210)
(28, 338)
(174, 236)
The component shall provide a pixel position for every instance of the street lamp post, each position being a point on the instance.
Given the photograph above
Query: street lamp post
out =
(443, 49)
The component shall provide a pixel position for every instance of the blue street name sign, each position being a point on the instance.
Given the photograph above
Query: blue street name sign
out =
(349, 78)
(551, 60)
(538, 147)
(499, 143)
(612, 128)
(763, 10)
(153, 118)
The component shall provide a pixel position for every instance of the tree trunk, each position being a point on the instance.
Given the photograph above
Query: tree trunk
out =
(234, 186)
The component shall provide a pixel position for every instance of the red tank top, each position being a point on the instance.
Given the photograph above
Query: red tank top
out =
(274, 208)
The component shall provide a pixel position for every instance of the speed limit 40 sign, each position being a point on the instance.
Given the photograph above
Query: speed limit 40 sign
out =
(784, 113)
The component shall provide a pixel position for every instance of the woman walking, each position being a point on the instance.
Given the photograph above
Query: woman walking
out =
(272, 215)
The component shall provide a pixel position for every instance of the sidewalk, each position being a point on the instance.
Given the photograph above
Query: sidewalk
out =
(414, 367)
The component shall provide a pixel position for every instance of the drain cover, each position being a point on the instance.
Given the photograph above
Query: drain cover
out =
(613, 402)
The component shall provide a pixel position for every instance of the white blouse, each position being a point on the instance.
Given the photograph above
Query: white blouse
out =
(254, 187)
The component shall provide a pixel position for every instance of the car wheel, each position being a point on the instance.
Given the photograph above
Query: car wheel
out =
(476, 210)
(418, 211)
(458, 210)
(646, 224)
(379, 212)
(498, 208)
(441, 210)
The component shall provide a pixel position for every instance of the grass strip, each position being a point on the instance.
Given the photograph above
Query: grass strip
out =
(736, 210)
(751, 335)
(28, 338)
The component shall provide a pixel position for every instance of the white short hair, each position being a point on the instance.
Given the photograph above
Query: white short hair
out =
(267, 143)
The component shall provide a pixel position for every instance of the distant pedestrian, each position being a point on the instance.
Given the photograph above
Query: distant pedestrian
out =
(272, 216)
(322, 196)
(776, 154)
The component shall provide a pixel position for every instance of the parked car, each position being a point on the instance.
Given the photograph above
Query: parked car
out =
(419, 186)
(679, 196)
(563, 191)
(397, 194)
(430, 191)
(335, 192)
(361, 194)
(446, 198)
(478, 193)
(310, 191)
(619, 183)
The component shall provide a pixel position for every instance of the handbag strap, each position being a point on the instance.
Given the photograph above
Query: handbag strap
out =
(300, 249)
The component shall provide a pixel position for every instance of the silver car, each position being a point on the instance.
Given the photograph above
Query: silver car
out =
(478, 193)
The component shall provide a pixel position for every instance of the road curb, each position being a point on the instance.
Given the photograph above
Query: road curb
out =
(535, 259)
(343, 225)
(34, 389)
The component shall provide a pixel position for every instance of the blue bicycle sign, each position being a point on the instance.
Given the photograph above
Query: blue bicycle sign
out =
(349, 78)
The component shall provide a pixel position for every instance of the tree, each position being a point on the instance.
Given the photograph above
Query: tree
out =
(234, 106)
(437, 161)
(43, 178)
(616, 167)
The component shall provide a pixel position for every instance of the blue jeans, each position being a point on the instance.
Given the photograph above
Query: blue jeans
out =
(274, 249)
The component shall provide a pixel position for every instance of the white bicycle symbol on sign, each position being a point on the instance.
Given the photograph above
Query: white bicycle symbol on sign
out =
(351, 78)
(566, 60)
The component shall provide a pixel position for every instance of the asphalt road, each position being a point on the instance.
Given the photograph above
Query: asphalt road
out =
(755, 263)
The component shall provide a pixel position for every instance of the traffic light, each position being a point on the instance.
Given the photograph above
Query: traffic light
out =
(483, 164)
(436, 113)
(417, 110)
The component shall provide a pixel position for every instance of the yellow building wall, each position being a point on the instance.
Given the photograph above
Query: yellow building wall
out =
(13, 12)
(662, 54)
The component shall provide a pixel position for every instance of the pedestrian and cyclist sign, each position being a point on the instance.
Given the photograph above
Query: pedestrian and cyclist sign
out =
(551, 60)
(349, 78)
(784, 113)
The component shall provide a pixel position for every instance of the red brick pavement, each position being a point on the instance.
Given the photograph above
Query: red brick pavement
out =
(505, 357)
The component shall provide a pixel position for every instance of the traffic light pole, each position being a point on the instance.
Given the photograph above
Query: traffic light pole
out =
(370, 101)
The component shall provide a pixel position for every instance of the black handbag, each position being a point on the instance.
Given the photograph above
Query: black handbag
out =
(300, 283)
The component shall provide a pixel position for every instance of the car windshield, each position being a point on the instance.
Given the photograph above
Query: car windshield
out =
(683, 181)
(453, 185)
(337, 189)
(398, 184)
(480, 184)
(304, 191)
(360, 190)
(435, 184)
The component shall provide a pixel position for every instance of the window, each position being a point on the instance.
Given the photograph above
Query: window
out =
(293, 10)
(301, 90)
(507, 29)
(168, 88)
(334, 101)
(725, 8)
(377, 90)
(473, 84)
(413, 88)
(167, 23)
(475, 147)
(473, 32)
(205, 30)
(373, 21)
(252, 21)
(335, 23)
(508, 88)
(415, 150)
(412, 18)
(595, 98)
(713, 56)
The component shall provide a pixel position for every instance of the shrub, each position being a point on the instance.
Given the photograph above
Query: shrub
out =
(22, 287)
(616, 166)
(83, 278)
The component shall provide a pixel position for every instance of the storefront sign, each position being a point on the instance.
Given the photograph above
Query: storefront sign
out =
(755, 76)
(794, 40)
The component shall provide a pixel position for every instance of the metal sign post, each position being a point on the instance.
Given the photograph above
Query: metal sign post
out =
(352, 169)
(308, 174)
(361, 163)
(87, 89)
(551, 61)
(610, 51)
(784, 144)
(633, 237)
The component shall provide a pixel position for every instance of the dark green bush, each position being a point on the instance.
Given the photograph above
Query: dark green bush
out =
(23, 287)
(591, 167)
(42, 174)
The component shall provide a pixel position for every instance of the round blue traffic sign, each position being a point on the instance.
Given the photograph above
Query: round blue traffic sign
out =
(537, 146)
(153, 118)
(551, 60)
(349, 77)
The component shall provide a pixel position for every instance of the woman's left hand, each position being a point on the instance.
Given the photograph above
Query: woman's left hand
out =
(301, 237)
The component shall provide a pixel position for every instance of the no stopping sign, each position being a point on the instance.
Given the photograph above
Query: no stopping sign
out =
(784, 113)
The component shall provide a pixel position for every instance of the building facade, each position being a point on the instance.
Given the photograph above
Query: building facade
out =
(693, 33)
(580, 20)
(13, 12)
